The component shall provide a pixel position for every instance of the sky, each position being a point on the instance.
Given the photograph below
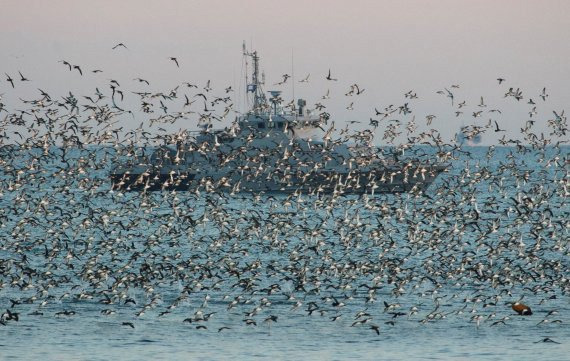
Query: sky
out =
(386, 47)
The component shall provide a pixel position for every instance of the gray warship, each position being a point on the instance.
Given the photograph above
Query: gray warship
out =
(273, 148)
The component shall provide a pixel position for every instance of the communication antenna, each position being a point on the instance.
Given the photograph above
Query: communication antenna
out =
(293, 82)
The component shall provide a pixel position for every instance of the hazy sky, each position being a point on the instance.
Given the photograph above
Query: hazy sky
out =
(386, 47)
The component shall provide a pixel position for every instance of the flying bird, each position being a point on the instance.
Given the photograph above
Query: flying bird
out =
(499, 130)
(10, 80)
(329, 76)
(22, 78)
(66, 63)
(175, 60)
(119, 45)
(142, 81)
(78, 69)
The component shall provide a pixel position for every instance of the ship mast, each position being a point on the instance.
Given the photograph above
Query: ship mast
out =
(254, 87)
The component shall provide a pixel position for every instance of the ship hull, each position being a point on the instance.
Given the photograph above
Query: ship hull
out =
(384, 180)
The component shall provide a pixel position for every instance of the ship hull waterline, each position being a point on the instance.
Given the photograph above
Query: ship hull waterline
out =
(369, 182)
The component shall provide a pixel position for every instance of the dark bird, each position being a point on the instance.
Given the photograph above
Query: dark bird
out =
(329, 76)
(142, 81)
(22, 78)
(500, 80)
(497, 127)
(119, 45)
(78, 69)
(543, 95)
(66, 63)
(175, 60)
(130, 324)
(547, 339)
(10, 80)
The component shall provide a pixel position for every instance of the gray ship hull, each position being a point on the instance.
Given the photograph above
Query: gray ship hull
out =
(393, 179)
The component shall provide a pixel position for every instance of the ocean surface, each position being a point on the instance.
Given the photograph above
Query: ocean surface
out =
(97, 274)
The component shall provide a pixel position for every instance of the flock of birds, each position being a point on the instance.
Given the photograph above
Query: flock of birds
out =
(490, 234)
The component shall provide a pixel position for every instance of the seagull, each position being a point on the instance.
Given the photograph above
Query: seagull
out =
(306, 79)
(543, 95)
(66, 63)
(500, 80)
(501, 130)
(547, 339)
(10, 80)
(207, 88)
(450, 95)
(175, 60)
(329, 76)
(119, 45)
(78, 69)
(142, 81)
(22, 78)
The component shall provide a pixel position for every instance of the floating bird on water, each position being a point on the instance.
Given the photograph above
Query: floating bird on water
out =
(521, 309)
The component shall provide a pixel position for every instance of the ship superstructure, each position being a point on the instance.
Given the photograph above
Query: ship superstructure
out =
(270, 149)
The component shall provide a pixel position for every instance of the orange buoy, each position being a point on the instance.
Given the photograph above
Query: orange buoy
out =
(521, 309)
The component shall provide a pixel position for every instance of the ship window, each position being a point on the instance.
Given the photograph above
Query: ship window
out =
(261, 125)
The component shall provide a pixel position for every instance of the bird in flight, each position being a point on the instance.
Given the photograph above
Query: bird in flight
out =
(498, 130)
(119, 45)
(78, 69)
(66, 63)
(10, 80)
(22, 78)
(329, 76)
(175, 60)
(142, 81)
(543, 95)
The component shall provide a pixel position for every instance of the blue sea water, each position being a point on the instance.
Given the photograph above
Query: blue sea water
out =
(490, 231)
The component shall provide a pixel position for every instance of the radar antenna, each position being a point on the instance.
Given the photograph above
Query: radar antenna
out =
(254, 85)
